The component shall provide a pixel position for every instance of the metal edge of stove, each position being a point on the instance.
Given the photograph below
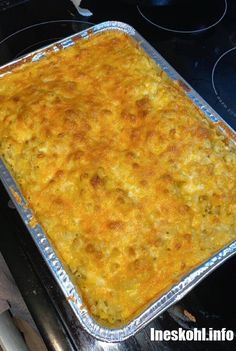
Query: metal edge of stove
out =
(190, 280)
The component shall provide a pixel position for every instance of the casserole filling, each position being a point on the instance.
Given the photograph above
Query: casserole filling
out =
(132, 185)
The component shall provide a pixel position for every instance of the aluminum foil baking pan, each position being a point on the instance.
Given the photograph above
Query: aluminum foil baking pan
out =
(74, 300)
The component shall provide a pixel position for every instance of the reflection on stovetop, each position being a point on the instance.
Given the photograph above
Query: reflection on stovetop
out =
(6, 4)
(194, 55)
(190, 17)
(224, 71)
(35, 36)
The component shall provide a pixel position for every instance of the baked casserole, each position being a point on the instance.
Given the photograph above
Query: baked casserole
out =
(132, 185)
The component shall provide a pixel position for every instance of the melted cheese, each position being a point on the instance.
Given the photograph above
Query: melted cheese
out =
(132, 185)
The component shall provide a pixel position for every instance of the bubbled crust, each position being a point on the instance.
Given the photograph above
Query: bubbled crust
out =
(131, 184)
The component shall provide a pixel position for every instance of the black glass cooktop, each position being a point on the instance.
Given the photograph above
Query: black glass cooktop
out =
(188, 17)
(199, 41)
(37, 35)
(6, 4)
(222, 75)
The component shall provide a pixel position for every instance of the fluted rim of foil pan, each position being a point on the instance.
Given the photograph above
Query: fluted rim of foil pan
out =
(189, 281)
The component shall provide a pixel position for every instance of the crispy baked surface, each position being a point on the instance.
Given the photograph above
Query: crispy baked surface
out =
(132, 185)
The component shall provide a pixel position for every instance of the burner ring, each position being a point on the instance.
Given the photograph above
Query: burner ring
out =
(221, 99)
(40, 34)
(42, 23)
(21, 53)
(185, 31)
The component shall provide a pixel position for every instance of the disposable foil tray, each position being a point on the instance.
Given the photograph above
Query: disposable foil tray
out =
(61, 276)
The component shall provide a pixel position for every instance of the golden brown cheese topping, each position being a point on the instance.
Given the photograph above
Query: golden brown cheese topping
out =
(130, 182)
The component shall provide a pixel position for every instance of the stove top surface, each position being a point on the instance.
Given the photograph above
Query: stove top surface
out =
(200, 43)
(188, 18)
